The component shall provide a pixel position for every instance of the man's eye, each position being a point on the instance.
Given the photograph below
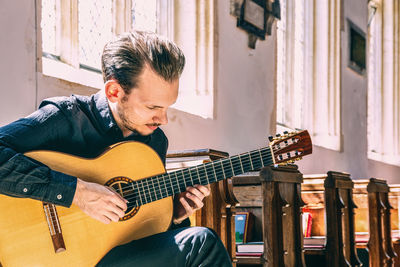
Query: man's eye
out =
(152, 108)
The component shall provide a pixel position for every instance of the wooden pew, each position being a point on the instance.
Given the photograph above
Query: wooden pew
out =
(339, 248)
(389, 224)
(381, 252)
(394, 200)
(274, 194)
(218, 212)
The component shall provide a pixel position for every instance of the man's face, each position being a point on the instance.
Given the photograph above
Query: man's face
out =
(145, 108)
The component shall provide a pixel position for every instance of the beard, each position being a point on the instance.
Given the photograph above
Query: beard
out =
(128, 124)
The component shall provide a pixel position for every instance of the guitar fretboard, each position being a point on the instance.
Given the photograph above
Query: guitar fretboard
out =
(168, 184)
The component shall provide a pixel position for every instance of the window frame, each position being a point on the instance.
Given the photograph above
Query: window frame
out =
(319, 95)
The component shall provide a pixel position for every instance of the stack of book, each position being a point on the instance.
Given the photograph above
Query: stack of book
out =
(250, 249)
(314, 242)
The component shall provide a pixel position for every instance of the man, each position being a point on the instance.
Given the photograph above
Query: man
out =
(141, 73)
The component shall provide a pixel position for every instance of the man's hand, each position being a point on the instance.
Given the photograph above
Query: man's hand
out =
(99, 202)
(186, 203)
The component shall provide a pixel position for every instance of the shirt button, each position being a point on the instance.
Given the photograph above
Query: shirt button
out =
(59, 196)
(25, 190)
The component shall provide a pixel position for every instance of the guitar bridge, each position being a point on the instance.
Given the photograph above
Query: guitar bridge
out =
(53, 222)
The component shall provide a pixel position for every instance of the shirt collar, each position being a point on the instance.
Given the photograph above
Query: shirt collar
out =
(103, 111)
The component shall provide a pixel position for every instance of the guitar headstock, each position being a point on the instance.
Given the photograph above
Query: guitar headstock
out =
(290, 147)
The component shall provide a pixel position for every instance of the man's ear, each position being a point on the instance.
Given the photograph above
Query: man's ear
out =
(113, 90)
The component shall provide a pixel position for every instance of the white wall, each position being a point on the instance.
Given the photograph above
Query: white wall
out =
(17, 59)
(244, 95)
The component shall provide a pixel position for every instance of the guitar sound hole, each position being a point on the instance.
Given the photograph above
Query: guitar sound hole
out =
(127, 189)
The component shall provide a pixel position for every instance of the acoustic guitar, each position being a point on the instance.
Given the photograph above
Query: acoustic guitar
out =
(33, 233)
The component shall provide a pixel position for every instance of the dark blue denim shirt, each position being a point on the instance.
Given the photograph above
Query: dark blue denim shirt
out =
(77, 125)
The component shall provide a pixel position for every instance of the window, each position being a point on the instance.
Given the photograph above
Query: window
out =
(74, 33)
(384, 82)
(194, 33)
(308, 69)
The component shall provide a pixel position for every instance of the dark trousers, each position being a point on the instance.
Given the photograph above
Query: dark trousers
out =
(191, 246)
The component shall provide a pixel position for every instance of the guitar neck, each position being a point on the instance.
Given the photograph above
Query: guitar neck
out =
(168, 184)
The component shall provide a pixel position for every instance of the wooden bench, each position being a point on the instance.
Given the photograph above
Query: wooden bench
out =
(274, 194)
(381, 252)
(338, 211)
(218, 212)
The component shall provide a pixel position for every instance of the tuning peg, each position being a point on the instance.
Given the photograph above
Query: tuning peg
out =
(271, 138)
(285, 132)
(278, 135)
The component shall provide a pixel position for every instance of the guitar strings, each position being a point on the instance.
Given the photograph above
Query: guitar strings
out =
(148, 191)
(204, 172)
(156, 192)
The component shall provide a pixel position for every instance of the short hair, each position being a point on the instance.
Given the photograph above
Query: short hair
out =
(124, 58)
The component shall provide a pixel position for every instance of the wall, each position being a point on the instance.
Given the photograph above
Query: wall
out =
(244, 93)
(17, 59)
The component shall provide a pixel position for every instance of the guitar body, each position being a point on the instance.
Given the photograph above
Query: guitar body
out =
(24, 233)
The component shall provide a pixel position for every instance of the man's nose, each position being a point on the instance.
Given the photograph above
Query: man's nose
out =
(161, 118)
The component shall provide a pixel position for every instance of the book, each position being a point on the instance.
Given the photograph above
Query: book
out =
(243, 226)
(249, 254)
(253, 247)
(314, 242)
(307, 222)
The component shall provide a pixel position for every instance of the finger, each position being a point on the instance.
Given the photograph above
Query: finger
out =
(197, 202)
(111, 215)
(103, 219)
(196, 192)
(120, 202)
(111, 207)
(118, 199)
(186, 206)
(205, 190)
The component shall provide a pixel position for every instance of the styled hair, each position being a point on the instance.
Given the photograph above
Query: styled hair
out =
(124, 58)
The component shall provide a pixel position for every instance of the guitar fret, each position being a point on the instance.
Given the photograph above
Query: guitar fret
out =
(205, 172)
(190, 175)
(257, 165)
(183, 176)
(172, 185)
(144, 192)
(265, 151)
(236, 166)
(165, 186)
(198, 174)
(210, 172)
(222, 167)
(159, 187)
(218, 170)
(150, 189)
(241, 164)
(262, 162)
(140, 196)
(233, 170)
(251, 163)
(178, 183)
(212, 164)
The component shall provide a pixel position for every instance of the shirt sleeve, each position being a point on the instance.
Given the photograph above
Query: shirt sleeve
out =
(21, 176)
